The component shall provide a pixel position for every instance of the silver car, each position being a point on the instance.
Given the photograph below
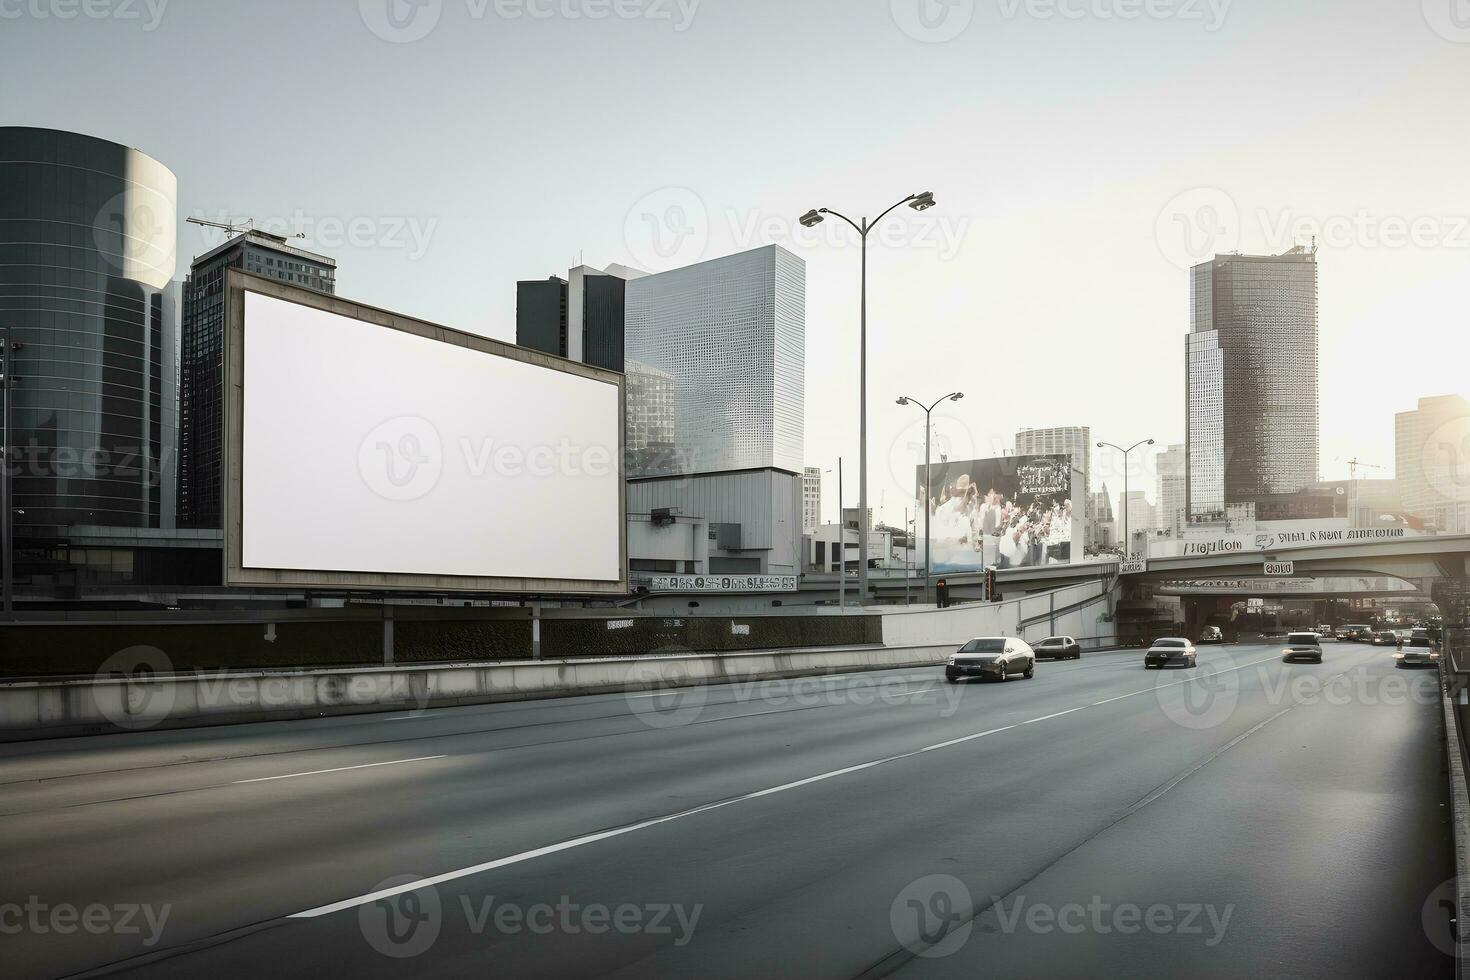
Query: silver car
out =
(1417, 653)
(1302, 646)
(991, 657)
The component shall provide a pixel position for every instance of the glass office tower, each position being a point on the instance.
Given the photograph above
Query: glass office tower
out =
(88, 309)
(730, 334)
(1251, 393)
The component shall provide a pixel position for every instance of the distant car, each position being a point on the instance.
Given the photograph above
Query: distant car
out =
(1354, 632)
(1059, 648)
(991, 657)
(1325, 631)
(1417, 652)
(1171, 650)
(1384, 638)
(1211, 634)
(1302, 646)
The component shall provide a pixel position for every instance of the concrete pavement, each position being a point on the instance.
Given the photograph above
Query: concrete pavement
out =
(1249, 817)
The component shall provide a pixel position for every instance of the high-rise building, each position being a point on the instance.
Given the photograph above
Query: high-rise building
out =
(201, 403)
(1430, 446)
(1170, 494)
(88, 325)
(731, 333)
(1251, 401)
(811, 499)
(1136, 512)
(648, 439)
(1103, 533)
(579, 317)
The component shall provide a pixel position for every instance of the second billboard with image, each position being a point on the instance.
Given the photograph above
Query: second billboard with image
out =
(1009, 512)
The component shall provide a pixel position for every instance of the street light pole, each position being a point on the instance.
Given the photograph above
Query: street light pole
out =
(953, 396)
(1127, 542)
(841, 543)
(919, 202)
(7, 521)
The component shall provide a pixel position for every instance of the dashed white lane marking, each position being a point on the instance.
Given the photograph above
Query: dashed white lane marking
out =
(319, 772)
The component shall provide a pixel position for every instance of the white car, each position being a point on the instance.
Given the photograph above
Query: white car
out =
(1171, 650)
(992, 658)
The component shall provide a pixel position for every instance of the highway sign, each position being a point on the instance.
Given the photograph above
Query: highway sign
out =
(1280, 569)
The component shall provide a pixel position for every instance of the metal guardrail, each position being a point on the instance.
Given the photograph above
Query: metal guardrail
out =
(1453, 690)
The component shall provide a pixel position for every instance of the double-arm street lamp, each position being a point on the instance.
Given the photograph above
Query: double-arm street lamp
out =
(928, 486)
(919, 202)
(1127, 543)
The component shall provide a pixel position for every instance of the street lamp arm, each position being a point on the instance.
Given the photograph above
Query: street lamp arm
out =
(855, 226)
(885, 214)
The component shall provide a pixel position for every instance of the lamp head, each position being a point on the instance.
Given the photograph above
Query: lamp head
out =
(903, 401)
(957, 396)
(812, 217)
(923, 202)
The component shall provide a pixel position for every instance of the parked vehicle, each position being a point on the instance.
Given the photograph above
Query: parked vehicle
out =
(1302, 646)
(1211, 634)
(1059, 648)
(1171, 650)
(991, 657)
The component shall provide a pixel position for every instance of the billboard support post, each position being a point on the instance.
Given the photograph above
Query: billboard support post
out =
(387, 633)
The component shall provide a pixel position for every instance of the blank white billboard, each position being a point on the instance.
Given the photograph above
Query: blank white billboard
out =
(371, 450)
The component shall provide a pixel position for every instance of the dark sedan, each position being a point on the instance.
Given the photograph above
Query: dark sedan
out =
(1059, 648)
(1170, 650)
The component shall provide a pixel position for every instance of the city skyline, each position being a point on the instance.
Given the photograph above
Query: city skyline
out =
(408, 227)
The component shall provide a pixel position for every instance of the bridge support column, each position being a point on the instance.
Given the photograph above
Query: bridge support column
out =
(1451, 593)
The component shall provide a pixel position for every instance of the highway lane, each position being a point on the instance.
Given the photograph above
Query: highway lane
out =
(627, 826)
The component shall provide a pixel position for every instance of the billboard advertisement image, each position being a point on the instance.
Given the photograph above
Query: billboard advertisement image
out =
(1010, 512)
(372, 450)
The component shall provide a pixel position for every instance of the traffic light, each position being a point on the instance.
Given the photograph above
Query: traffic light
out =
(991, 595)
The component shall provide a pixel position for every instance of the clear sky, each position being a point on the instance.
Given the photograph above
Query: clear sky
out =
(1083, 153)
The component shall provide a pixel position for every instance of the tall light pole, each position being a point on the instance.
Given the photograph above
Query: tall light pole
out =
(919, 202)
(953, 396)
(1127, 542)
(7, 521)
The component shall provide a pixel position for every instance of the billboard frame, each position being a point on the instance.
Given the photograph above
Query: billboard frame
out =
(237, 575)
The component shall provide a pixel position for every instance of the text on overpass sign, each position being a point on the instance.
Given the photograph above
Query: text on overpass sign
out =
(723, 583)
(1280, 569)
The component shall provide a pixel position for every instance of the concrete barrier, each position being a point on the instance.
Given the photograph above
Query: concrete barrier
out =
(54, 708)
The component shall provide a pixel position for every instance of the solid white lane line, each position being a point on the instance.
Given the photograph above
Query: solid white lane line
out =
(603, 835)
(318, 772)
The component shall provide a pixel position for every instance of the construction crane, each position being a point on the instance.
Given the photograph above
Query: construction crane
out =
(1355, 463)
(238, 229)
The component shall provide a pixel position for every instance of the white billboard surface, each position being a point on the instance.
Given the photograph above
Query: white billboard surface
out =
(369, 449)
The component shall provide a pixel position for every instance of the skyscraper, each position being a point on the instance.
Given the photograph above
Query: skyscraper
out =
(1251, 392)
(731, 333)
(201, 403)
(1170, 494)
(579, 317)
(811, 499)
(88, 317)
(1430, 461)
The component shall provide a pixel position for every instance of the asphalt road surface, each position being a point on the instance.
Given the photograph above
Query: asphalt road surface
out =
(1246, 818)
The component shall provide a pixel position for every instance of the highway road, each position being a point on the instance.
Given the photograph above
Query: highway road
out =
(1246, 818)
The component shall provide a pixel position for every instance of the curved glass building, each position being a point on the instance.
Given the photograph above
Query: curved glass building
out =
(88, 309)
